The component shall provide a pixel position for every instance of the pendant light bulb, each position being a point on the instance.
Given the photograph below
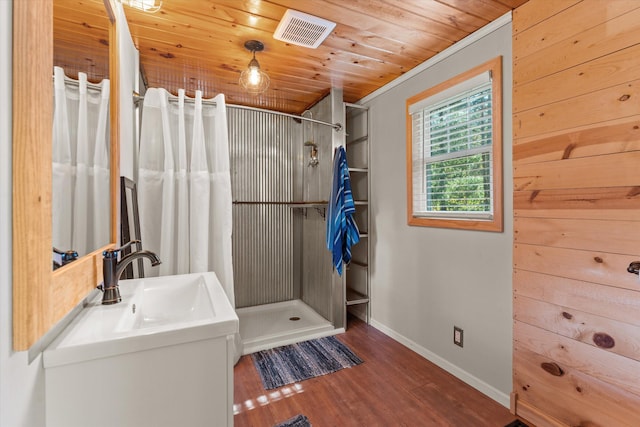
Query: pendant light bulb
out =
(254, 73)
(253, 79)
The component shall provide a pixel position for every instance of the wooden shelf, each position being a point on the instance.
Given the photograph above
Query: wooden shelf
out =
(295, 204)
(354, 297)
(359, 264)
(307, 205)
(361, 139)
(362, 108)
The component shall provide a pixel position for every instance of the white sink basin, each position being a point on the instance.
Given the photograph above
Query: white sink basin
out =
(154, 312)
(165, 301)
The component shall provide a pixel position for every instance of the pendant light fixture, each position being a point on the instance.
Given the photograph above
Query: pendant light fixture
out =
(253, 79)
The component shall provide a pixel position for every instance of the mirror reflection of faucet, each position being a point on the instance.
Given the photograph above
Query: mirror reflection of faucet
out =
(61, 258)
(112, 270)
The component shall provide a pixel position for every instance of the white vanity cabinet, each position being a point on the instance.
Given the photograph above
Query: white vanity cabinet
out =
(110, 368)
(189, 384)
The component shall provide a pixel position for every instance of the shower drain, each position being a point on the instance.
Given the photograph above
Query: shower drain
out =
(294, 318)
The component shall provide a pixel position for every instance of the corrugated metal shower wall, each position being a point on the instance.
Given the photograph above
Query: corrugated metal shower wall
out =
(264, 149)
(316, 271)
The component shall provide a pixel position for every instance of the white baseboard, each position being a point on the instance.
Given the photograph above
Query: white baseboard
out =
(454, 370)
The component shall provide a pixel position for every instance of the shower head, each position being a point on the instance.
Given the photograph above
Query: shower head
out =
(313, 161)
(310, 144)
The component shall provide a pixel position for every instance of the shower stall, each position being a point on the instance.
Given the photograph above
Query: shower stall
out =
(281, 172)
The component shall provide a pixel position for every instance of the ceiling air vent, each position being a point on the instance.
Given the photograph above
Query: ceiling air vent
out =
(302, 29)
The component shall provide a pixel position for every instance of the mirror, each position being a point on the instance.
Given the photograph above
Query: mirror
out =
(42, 297)
(130, 226)
(80, 174)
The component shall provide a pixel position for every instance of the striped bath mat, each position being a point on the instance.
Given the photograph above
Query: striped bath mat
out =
(297, 421)
(296, 362)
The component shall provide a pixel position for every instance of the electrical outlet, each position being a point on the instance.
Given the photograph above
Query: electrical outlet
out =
(458, 336)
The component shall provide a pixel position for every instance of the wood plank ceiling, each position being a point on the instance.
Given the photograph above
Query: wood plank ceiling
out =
(81, 38)
(199, 44)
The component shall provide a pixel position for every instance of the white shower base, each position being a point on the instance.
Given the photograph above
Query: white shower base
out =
(267, 326)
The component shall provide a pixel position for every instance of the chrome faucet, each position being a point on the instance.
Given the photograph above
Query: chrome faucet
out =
(112, 270)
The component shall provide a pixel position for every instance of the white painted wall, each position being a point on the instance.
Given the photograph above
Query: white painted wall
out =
(21, 383)
(426, 280)
(22, 392)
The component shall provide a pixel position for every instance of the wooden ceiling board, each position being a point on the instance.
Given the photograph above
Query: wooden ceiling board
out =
(168, 44)
(513, 4)
(363, 18)
(227, 48)
(199, 44)
(81, 38)
(430, 18)
(303, 69)
(487, 9)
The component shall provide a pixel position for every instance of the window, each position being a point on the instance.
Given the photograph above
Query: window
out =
(454, 152)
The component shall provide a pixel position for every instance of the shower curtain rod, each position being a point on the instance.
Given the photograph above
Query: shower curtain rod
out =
(73, 82)
(137, 98)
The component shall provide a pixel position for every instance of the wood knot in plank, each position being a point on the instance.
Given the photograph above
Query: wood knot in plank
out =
(534, 194)
(603, 340)
(568, 150)
(552, 368)
(624, 97)
(598, 259)
(567, 316)
(634, 192)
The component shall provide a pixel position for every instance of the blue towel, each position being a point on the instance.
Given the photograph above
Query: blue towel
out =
(342, 231)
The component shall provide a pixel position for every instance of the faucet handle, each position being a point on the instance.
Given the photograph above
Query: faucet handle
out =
(113, 253)
(66, 256)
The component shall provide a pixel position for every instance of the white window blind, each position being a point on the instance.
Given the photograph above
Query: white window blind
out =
(452, 134)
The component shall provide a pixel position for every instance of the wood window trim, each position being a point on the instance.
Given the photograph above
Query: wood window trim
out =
(496, 223)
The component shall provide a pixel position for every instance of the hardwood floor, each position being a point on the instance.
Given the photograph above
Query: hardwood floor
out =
(393, 387)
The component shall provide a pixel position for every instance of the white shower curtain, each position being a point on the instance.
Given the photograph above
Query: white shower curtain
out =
(184, 186)
(80, 196)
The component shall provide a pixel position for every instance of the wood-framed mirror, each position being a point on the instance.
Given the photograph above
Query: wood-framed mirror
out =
(80, 175)
(42, 297)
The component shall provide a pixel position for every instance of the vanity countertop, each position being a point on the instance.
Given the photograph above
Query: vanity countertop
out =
(154, 312)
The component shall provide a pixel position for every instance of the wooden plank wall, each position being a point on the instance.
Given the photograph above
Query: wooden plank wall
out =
(576, 157)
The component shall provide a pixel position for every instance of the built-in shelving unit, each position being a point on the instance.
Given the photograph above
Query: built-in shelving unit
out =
(355, 297)
(357, 294)
(308, 204)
